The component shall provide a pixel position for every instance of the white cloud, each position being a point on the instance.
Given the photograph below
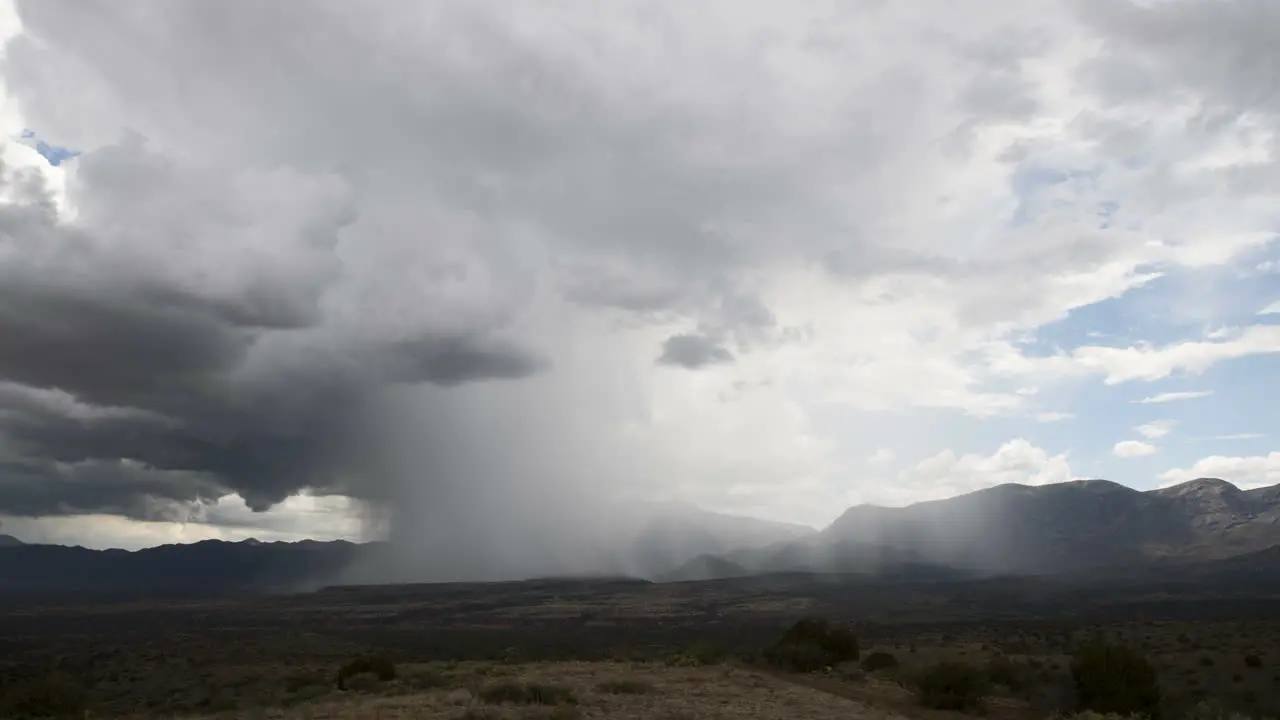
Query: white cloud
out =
(1174, 397)
(1272, 309)
(1245, 472)
(1239, 436)
(947, 474)
(1116, 365)
(1047, 417)
(1156, 429)
(1132, 449)
(881, 458)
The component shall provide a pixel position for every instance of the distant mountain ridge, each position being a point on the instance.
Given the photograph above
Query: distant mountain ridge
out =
(206, 567)
(1071, 527)
(1206, 528)
(644, 540)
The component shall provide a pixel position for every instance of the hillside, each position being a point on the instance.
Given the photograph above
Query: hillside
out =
(1064, 528)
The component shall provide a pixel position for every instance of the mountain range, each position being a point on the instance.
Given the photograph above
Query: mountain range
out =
(1066, 528)
(1077, 528)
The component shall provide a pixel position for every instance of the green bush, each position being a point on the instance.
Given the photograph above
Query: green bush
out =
(879, 660)
(1113, 679)
(951, 686)
(380, 667)
(813, 644)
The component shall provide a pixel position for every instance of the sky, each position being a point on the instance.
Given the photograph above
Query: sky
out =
(337, 269)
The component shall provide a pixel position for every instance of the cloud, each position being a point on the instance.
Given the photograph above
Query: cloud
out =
(1156, 429)
(693, 351)
(1132, 449)
(1169, 397)
(299, 517)
(1239, 436)
(426, 255)
(947, 473)
(881, 458)
(1246, 472)
(1047, 417)
(1272, 309)
(138, 371)
(1116, 365)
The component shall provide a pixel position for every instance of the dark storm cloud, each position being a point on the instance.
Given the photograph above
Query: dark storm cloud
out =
(39, 487)
(107, 345)
(457, 362)
(125, 389)
(693, 351)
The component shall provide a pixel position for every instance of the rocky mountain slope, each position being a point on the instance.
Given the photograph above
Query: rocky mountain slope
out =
(1063, 528)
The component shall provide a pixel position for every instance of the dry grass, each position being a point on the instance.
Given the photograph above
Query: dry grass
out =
(722, 692)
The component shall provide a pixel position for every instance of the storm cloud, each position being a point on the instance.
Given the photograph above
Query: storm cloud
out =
(144, 372)
(693, 351)
(441, 257)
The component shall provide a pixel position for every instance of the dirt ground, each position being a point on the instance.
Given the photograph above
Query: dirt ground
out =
(623, 691)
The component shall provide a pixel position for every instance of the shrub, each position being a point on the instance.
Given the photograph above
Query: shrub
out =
(951, 686)
(1003, 671)
(515, 693)
(879, 661)
(1252, 661)
(813, 644)
(377, 666)
(1115, 679)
